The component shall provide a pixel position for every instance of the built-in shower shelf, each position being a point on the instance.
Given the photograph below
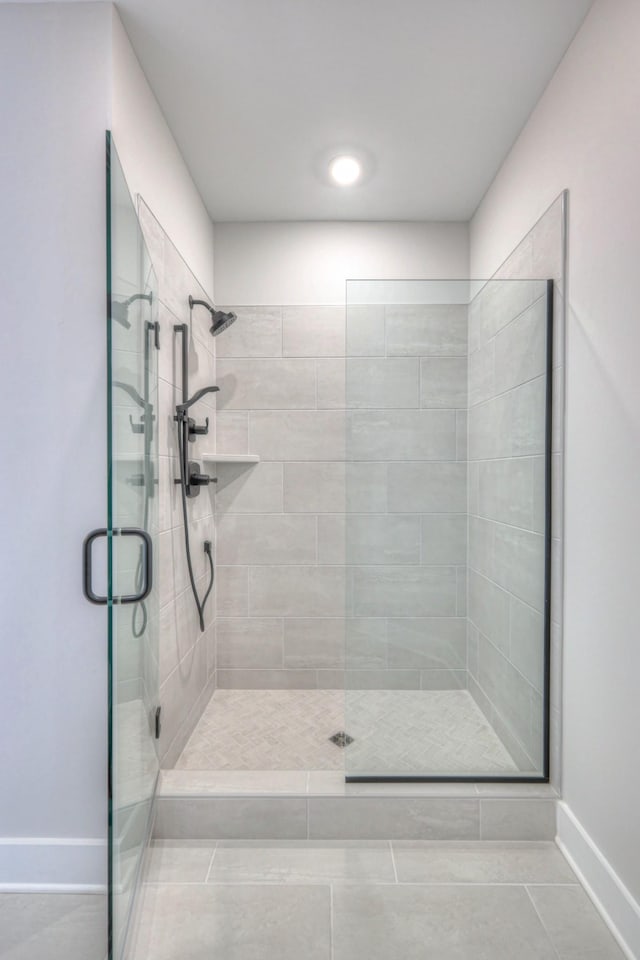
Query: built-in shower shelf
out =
(230, 458)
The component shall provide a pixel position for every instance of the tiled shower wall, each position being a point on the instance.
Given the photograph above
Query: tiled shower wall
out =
(507, 403)
(358, 504)
(186, 657)
(505, 655)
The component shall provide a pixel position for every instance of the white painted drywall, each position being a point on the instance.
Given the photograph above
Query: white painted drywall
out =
(54, 74)
(585, 135)
(71, 75)
(307, 263)
(153, 164)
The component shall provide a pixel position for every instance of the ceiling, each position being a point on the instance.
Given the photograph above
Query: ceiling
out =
(430, 94)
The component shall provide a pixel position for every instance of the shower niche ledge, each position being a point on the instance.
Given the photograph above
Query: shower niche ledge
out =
(247, 458)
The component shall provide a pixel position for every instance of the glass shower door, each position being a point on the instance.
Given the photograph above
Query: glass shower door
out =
(448, 403)
(132, 386)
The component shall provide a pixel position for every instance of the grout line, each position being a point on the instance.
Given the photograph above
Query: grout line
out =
(331, 938)
(393, 861)
(213, 856)
(321, 882)
(542, 923)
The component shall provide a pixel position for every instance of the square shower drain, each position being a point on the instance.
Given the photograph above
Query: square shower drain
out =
(341, 739)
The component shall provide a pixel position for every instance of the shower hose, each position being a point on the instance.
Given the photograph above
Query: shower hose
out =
(200, 604)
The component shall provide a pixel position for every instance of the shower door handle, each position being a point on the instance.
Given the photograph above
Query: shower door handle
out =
(147, 564)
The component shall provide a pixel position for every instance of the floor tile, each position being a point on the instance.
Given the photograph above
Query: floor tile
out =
(234, 922)
(440, 922)
(55, 926)
(481, 863)
(577, 930)
(178, 861)
(319, 861)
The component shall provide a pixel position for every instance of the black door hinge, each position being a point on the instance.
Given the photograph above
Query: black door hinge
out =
(158, 722)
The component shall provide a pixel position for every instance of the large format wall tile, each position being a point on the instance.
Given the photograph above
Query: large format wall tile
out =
(285, 435)
(331, 384)
(232, 591)
(335, 487)
(232, 431)
(316, 331)
(443, 382)
(249, 488)
(428, 331)
(249, 642)
(396, 591)
(444, 539)
(385, 383)
(427, 487)
(434, 643)
(401, 435)
(369, 539)
(520, 348)
(256, 333)
(296, 591)
(266, 384)
(266, 538)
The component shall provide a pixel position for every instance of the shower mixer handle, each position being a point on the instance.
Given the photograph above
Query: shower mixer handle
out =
(201, 479)
(196, 479)
(196, 431)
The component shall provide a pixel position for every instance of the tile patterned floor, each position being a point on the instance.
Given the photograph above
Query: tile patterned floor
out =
(245, 900)
(53, 926)
(394, 731)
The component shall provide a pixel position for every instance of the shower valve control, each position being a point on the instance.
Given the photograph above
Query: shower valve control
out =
(198, 479)
(196, 431)
(195, 479)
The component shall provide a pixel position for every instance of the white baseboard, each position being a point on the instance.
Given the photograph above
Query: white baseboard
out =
(619, 909)
(52, 865)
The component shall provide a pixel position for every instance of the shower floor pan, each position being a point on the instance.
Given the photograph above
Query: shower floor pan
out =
(398, 732)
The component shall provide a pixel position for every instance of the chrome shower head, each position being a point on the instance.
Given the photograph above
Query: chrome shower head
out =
(220, 319)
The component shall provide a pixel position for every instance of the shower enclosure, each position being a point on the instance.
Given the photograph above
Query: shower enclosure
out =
(380, 525)
(447, 529)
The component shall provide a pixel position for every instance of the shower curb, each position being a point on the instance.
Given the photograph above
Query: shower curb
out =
(208, 806)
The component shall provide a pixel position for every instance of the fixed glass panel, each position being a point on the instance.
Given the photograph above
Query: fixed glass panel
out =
(447, 528)
(132, 525)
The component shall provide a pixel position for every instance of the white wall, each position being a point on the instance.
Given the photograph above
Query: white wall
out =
(308, 263)
(153, 164)
(55, 61)
(585, 135)
(72, 75)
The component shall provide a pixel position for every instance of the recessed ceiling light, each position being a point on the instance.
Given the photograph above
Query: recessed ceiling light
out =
(345, 170)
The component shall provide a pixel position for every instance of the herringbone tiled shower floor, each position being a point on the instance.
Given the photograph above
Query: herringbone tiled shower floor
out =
(394, 731)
